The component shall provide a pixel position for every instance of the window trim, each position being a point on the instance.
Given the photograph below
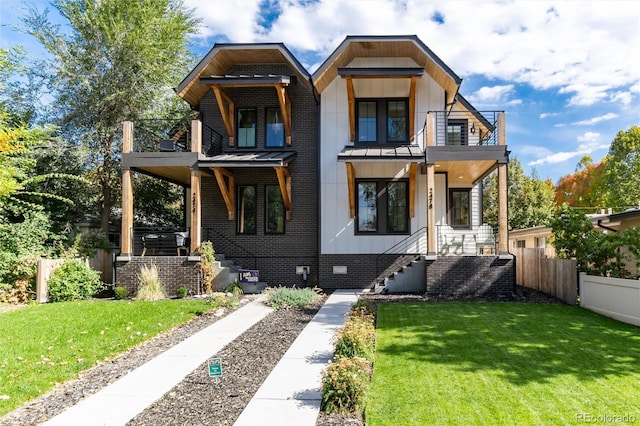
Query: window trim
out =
(266, 211)
(255, 213)
(382, 116)
(382, 211)
(255, 131)
(451, 208)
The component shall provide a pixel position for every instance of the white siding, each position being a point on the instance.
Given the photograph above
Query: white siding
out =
(338, 229)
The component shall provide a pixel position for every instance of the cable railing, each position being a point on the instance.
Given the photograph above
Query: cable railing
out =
(474, 128)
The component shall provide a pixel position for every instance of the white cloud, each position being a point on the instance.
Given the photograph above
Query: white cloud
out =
(625, 98)
(595, 120)
(494, 96)
(589, 143)
(548, 114)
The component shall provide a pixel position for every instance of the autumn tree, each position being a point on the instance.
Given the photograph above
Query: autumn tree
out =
(115, 62)
(585, 187)
(530, 199)
(622, 175)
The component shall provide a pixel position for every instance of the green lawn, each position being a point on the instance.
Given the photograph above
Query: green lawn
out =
(42, 345)
(502, 364)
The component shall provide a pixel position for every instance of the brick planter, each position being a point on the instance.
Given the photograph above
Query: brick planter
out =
(174, 272)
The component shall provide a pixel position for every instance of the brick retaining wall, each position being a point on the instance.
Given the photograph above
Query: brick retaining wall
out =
(470, 276)
(174, 272)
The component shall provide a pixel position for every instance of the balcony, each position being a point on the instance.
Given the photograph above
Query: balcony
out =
(173, 135)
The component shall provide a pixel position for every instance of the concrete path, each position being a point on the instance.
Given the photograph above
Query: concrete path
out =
(289, 396)
(291, 393)
(121, 401)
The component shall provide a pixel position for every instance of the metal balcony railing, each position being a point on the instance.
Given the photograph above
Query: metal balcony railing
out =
(463, 128)
(155, 135)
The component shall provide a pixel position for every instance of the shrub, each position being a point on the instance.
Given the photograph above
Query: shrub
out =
(207, 258)
(222, 300)
(357, 338)
(234, 289)
(73, 280)
(121, 293)
(287, 297)
(344, 384)
(150, 286)
(181, 293)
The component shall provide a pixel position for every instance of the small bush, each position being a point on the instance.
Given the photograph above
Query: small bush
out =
(344, 384)
(287, 297)
(234, 289)
(121, 293)
(73, 280)
(357, 338)
(207, 258)
(150, 286)
(181, 293)
(223, 300)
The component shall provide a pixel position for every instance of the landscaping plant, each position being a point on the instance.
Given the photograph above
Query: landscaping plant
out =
(149, 285)
(120, 293)
(290, 297)
(344, 385)
(207, 258)
(181, 293)
(73, 280)
(357, 338)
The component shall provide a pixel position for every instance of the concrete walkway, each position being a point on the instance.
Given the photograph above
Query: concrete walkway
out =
(289, 396)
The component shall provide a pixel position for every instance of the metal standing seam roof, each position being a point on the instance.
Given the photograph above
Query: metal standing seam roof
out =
(250, 159)
(411, 153)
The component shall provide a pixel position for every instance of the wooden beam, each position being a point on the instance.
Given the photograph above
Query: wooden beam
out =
(126, 246)
(195, 232)
(351, 96)
(228, 190)
(196, 135)
(412, 108)
(228, 113)
(284, 179)
(502, 134)
(432, 243)
(351, 187)
(503, 215)
(430, 129)
(412, 189)
(285, 109)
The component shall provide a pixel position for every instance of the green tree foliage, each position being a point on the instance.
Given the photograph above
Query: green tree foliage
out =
(622, 175)
(596, 252)
(114, 63)
(585, 187)
(530, 199)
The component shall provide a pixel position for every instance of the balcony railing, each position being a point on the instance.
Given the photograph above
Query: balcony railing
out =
(173, 135)
(463, 128)
(475, 241)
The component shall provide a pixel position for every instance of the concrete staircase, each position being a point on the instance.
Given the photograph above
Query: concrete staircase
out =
(226, 273)
(405, 275)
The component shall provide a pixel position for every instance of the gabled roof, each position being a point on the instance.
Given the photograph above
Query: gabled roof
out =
(224, 55)
(387, 47)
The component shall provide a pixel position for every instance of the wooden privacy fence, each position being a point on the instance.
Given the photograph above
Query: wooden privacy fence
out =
(557, 277)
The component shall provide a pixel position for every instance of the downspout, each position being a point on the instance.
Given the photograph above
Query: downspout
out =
(600, 225)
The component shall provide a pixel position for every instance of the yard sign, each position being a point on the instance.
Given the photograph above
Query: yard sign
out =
(215, 367)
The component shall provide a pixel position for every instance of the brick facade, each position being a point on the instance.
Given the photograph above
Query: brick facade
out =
(174, 272)
(471, 276)
(362, 269)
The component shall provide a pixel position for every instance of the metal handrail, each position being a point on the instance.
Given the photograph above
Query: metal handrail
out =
(245, 254)
(211, 141)
(481, 129)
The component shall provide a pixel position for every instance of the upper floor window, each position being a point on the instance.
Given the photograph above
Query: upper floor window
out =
(275, 128)
(457, 132)
(460, 208)
(247, 120)
(382, 120)
(382, 207)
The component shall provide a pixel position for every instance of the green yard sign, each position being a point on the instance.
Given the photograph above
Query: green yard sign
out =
(215, 367)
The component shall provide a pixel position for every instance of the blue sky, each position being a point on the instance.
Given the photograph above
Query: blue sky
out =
(567, 73)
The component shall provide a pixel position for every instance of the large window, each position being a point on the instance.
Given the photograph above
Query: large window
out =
(457, 132)
(246, 210)
(382, 207)
(275, 128)
(382, 120)
(460, 208)
(275, 212)
(247, 119)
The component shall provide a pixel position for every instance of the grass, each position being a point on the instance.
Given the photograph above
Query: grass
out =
(500, 363)
(41, 345)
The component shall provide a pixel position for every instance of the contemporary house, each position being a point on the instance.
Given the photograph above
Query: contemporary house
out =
(366, 174)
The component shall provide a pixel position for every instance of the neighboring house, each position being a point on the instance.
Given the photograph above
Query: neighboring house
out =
(367, 173)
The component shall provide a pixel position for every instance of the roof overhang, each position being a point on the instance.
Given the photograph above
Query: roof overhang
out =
(383, 72)
(223, 56)
(387, 47)
(251, 159)
(246, 80)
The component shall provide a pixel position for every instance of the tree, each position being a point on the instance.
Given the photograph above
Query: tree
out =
(622, 175)
(530, 199)
(585, 187)
(115, 63)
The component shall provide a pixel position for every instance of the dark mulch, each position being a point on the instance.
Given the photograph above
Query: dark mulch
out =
(247, 361)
